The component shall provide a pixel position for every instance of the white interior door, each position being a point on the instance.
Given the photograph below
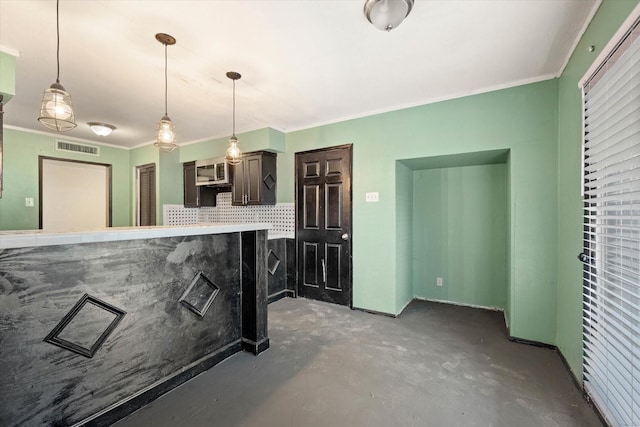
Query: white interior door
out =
(74, 196)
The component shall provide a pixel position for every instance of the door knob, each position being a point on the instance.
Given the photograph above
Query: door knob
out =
(583, 257)
(345, 236)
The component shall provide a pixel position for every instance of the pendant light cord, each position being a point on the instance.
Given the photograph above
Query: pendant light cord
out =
(58, 39)
(165, 79)
(234, 109)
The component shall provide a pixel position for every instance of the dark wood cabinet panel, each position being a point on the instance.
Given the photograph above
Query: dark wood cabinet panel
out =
(281, 269)
(254, 180)
(196, 196)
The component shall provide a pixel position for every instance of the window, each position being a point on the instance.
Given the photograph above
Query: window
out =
(611, 273)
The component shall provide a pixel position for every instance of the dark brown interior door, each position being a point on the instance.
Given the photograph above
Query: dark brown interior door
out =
(147, 194)
(323, 224)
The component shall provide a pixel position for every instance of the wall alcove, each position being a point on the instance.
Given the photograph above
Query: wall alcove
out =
(454, 223)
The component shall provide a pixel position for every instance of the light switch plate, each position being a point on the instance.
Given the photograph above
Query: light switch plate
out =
(372, 197)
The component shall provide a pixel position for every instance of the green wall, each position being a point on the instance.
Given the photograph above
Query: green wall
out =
(510, 240)
(257, 140)
(21, 151)
(460, 234)
(404, 236)
(605, 23)
(168, 177)
(170, 181)
(521, 119)
(7, 76)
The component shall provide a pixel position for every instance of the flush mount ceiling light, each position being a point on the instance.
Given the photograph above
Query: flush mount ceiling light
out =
(387, 14)
(166, 133)
(234, 154)
(101, 129)
(56, 111)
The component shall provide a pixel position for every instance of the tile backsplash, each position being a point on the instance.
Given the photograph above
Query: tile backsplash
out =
(281, 216)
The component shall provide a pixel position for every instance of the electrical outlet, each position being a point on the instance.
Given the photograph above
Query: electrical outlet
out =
(439, 281)
(372, 197)
(28, 202)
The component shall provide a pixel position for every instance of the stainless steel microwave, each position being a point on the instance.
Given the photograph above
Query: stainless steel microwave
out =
(212, 172)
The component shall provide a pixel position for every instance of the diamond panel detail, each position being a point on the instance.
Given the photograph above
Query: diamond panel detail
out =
(269, 181)
(86, 326)
(200, 294)
(273, 262)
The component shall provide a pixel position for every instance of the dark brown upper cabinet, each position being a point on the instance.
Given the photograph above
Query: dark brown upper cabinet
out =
(254, 180)
(196, 196)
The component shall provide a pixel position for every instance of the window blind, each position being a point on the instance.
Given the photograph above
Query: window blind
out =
(611, 255)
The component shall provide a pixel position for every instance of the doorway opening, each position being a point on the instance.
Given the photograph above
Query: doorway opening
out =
(74, 195)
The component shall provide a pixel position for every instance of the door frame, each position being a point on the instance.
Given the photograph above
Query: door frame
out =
(155, 201)
(107, 166)
(295, 199)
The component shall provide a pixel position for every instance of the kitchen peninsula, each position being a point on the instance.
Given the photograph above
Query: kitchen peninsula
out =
(93, 325)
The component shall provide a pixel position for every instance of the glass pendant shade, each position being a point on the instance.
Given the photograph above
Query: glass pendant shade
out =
(234, 154)
(56, 111)
(166, 135)
(386, 15)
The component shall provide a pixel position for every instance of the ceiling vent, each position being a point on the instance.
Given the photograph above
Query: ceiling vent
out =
(77, 148)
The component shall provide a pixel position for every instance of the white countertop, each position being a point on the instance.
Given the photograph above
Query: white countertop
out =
(30, 238)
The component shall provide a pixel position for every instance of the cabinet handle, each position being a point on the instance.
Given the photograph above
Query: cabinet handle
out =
(324, 271)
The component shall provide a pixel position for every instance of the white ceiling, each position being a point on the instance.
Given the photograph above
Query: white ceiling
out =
(303, 63)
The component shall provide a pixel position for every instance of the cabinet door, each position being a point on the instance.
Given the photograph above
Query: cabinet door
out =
(253, 179)
(237, 189)
(190, 189)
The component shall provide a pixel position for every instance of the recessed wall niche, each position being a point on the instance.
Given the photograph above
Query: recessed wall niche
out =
(453, 217)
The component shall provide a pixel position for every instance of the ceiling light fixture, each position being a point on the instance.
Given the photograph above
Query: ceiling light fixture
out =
(166, 134)
(56, 111)
(386, 15)
(101, 129)
(234, 154)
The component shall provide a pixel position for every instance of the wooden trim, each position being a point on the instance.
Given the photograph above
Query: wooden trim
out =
(335, 147)
(109, 185)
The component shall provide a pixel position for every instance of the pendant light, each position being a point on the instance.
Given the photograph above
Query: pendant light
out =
(166, 133)
(56, 111)
(386, 15)
(234, 154)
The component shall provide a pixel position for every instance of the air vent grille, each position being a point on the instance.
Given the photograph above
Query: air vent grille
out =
(77, 148)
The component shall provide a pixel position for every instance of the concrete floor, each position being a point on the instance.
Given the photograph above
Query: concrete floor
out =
(435, 365)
